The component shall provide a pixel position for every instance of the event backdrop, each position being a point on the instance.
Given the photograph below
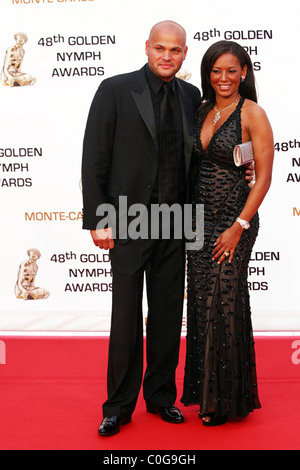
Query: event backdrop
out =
(58, 52)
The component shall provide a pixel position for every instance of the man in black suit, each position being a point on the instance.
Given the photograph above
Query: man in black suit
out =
(124, 155)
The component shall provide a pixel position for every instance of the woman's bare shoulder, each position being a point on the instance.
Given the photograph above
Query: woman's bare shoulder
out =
(253, 110)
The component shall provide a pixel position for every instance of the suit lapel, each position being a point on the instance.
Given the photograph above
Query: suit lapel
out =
(187, 122)
(142, 98)
(144, 105)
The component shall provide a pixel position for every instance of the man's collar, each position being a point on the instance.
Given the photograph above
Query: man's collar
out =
(155, 82)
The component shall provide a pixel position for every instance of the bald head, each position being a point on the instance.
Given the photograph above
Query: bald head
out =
(165, 27)
(166, 49)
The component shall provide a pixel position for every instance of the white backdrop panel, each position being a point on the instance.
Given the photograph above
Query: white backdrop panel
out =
(72, 46)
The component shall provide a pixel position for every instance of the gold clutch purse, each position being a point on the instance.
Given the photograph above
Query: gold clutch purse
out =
(243, 153)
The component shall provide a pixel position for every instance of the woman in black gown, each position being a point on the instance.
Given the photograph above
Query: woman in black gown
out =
(220, 371)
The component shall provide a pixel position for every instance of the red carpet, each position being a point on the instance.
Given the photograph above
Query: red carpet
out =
(52, 390)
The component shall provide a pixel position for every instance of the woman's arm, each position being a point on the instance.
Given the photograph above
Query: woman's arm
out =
(258, 129)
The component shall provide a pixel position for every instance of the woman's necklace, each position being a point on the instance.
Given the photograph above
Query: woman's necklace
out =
(218, 113)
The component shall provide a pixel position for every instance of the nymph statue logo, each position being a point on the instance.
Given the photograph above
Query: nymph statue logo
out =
(11, 74)
(25, 288)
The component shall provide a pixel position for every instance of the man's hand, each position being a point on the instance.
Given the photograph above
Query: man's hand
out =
(250, 174)
(103, 238)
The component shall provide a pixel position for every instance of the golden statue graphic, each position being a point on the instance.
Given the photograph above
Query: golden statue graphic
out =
(183, 74)
(11, 74)
(25, 288)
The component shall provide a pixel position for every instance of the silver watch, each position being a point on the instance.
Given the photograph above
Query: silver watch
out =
(243, 223)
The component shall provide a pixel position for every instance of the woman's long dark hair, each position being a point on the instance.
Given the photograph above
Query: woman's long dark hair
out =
(247, 88)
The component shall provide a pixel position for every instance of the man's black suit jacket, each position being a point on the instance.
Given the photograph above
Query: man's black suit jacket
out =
(120, 155)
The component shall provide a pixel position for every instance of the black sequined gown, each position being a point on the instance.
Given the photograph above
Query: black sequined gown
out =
(220, 371)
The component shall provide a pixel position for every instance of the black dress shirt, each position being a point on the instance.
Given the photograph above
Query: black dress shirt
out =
(156, 84)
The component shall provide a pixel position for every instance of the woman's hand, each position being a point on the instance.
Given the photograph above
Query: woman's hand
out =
(226, 243)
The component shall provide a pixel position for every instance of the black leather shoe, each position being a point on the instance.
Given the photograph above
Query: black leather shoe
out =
(169, 413)
(111, 426)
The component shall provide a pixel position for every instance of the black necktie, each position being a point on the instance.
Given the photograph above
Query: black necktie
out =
(167, 172)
